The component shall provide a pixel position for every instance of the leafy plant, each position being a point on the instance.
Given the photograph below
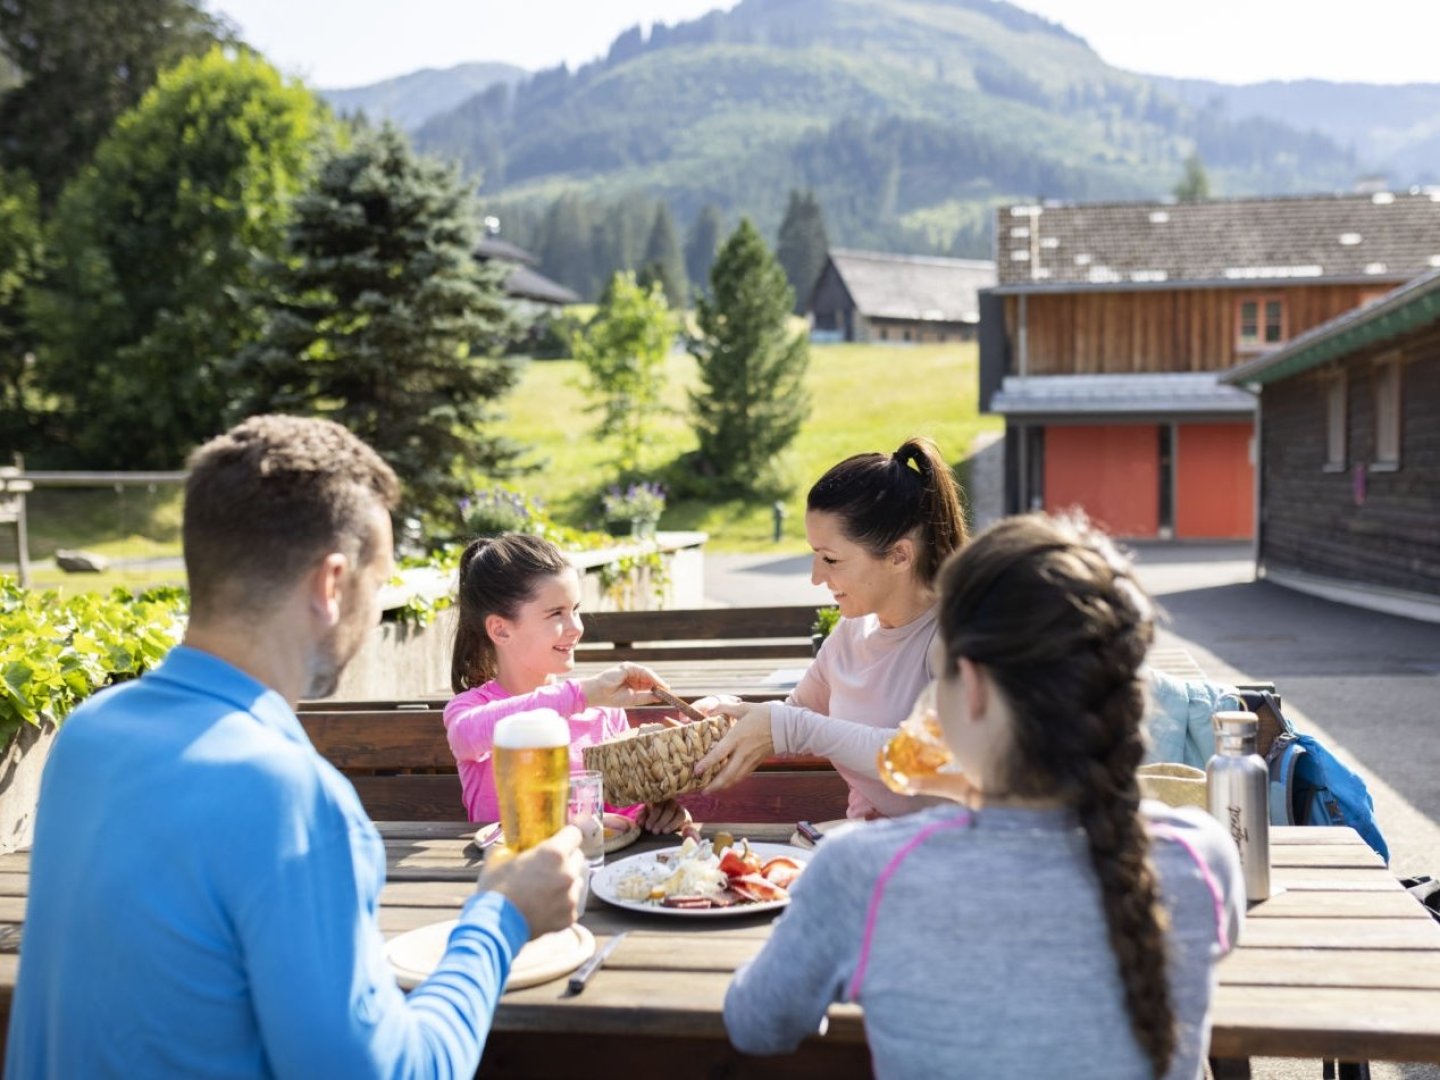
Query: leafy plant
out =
(826, 619)
(56, 652)
(497, 510)
(644, 501)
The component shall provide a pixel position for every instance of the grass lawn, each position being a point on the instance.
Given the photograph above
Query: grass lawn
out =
(864, 397)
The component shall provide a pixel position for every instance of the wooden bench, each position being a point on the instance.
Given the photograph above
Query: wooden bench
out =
(653, 637)
(397, 756)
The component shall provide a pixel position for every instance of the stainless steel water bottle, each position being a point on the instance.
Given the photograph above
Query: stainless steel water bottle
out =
(1237, 788)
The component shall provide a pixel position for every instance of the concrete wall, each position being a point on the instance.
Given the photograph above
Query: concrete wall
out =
(20, 769)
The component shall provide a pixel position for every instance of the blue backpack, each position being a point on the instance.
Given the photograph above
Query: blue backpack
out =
(1308, 784)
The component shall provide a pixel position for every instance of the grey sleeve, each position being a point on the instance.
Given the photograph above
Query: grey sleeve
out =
(796, 730)
(779, 998)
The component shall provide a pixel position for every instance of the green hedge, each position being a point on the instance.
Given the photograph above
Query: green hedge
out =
(55, 652)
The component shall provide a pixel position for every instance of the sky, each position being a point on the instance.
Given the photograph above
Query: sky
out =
(338, 43)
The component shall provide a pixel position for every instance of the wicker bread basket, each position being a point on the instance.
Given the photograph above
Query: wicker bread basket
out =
(656, 763)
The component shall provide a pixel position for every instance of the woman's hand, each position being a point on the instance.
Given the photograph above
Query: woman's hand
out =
(622, 686)
(715, 703)
(668, 816)
(748, 742)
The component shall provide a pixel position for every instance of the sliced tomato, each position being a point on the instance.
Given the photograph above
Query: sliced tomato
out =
(732, 865)
(754, 887)
(781, 871)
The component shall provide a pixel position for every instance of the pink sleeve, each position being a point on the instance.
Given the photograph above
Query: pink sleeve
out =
(470, 724)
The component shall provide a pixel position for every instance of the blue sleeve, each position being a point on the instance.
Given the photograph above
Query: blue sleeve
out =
(325, 997)
(779, 998)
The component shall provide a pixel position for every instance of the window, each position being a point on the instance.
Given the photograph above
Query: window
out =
(1387, 412)
(1335, 426)
(1259, 322)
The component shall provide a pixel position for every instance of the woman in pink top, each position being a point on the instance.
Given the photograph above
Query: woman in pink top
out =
(880, 525)
(519, 625)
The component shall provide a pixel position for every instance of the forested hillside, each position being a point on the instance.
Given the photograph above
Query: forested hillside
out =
(909, 119)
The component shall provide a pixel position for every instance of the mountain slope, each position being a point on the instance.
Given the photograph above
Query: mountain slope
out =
(909, 118)
(410, 100)
(1394, 129)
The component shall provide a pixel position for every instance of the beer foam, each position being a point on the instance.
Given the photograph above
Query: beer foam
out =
(531, 730)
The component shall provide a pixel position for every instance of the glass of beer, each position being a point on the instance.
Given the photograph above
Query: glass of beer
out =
(532, 776)
(917, 751)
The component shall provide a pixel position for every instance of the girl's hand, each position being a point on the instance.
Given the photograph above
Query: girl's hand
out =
(665, 817)
(744, 747)
(622, 685)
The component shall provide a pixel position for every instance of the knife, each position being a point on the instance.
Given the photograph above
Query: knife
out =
(580, 978)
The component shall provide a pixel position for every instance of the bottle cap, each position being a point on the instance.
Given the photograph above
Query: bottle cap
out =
(1236, 723)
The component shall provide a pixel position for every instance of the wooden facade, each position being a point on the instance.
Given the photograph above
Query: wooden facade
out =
(1157, 330)
(1359, 522)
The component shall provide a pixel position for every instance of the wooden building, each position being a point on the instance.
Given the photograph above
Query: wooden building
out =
(1349, 436)
(531, 293)
(872, 296)
(1103, 341)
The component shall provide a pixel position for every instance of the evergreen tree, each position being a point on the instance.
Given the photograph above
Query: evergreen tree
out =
(20, 255)
(1194, 185)
(81, 66)
(701, 243)
(566, 247)
(752, 369)
(151, 252)
(623, 350)
(662, 258)
(803, 246)
(382, 320)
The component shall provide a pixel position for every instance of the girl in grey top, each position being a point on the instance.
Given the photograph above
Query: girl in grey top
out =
(1051, 926)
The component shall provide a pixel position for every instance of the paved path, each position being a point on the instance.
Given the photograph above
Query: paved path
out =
(1365, 683)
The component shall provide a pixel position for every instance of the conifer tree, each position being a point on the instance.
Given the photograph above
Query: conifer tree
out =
(701, 243)
(752, 368)
(803, 245)
(662, 258)
(383, 321)
(1194, 184)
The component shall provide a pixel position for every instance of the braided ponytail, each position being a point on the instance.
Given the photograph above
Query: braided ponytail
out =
(1050, 609)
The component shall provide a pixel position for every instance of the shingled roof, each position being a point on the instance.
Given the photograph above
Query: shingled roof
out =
(913, 287)
(1387, 237)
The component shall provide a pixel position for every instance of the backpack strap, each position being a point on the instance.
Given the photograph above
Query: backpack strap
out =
(1283, 761)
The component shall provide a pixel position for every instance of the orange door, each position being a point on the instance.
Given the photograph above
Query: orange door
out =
(1112, 471)
(1214, 482)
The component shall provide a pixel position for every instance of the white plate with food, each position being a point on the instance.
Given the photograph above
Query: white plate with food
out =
(695, 880)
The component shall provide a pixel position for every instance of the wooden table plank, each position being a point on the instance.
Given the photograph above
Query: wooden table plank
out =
(1351, 1024)
(676, 1003)
(1336, 934)
(1325, 856)
(1322, 879)
(1301, 904)
(1398, 969)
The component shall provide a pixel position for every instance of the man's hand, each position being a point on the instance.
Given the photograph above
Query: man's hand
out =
(544, 882)
(666, 817)
(621, 686)
(748, 742)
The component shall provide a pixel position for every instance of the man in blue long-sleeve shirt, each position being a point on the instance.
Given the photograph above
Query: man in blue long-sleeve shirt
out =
(204, 886)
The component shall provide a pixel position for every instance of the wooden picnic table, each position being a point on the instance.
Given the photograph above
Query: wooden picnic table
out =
(1342, 964)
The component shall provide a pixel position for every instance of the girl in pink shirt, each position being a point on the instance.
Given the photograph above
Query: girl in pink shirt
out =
(519, 625)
